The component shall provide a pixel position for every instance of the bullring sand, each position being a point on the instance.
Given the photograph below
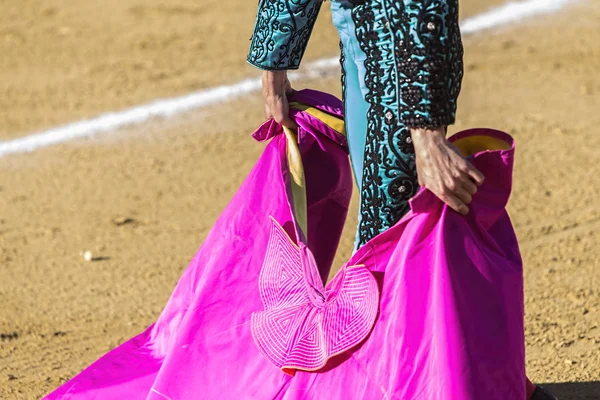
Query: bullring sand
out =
(142, 199)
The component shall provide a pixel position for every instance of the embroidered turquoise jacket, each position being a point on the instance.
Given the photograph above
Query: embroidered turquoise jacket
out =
(427, 49)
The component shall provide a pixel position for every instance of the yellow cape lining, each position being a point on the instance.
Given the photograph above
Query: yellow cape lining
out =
(474, 144)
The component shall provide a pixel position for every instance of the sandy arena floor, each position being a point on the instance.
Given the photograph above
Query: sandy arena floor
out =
(142, 199)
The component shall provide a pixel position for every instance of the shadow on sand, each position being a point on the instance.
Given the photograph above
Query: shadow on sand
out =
(575, 390)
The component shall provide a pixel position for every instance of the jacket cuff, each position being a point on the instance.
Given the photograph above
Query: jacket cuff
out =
(431, 70)
(281, 33)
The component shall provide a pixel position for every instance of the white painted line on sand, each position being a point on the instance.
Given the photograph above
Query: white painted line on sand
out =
(504, 14)
(511, 12)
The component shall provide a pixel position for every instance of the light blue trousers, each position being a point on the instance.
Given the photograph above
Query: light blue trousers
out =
(396, 74)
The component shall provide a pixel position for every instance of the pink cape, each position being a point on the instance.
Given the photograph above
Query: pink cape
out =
(431, 309)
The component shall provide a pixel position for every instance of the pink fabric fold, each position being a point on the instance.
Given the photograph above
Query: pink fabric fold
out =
(448, 323)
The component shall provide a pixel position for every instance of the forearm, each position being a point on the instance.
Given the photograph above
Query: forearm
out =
(281, 33)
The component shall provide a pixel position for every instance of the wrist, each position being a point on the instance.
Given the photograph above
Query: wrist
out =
(274, 79)
(426, 137)
(428, 132)
(275, 73)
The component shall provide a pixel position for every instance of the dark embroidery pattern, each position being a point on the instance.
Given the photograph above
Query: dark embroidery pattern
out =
(430, 64)
(413, 74)
(281, 33)
(342, 64)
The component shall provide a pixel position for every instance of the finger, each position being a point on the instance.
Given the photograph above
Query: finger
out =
(474, 174)
(281, 116)
(279, 109)
(468, 185)
(463, 195)
(455, 203)
(288, 123)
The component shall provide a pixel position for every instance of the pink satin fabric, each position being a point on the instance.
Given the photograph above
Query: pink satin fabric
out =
(449, 318)
(305, 324)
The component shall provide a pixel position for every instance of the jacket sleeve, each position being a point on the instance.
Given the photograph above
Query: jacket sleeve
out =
(281, 33)
(431, 68)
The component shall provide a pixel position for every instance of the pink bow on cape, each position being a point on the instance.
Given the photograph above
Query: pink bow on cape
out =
(303, 324)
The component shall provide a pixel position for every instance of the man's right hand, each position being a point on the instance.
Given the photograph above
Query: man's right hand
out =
(275, 89)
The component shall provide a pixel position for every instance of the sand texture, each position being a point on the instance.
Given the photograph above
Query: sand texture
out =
(142, 199)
